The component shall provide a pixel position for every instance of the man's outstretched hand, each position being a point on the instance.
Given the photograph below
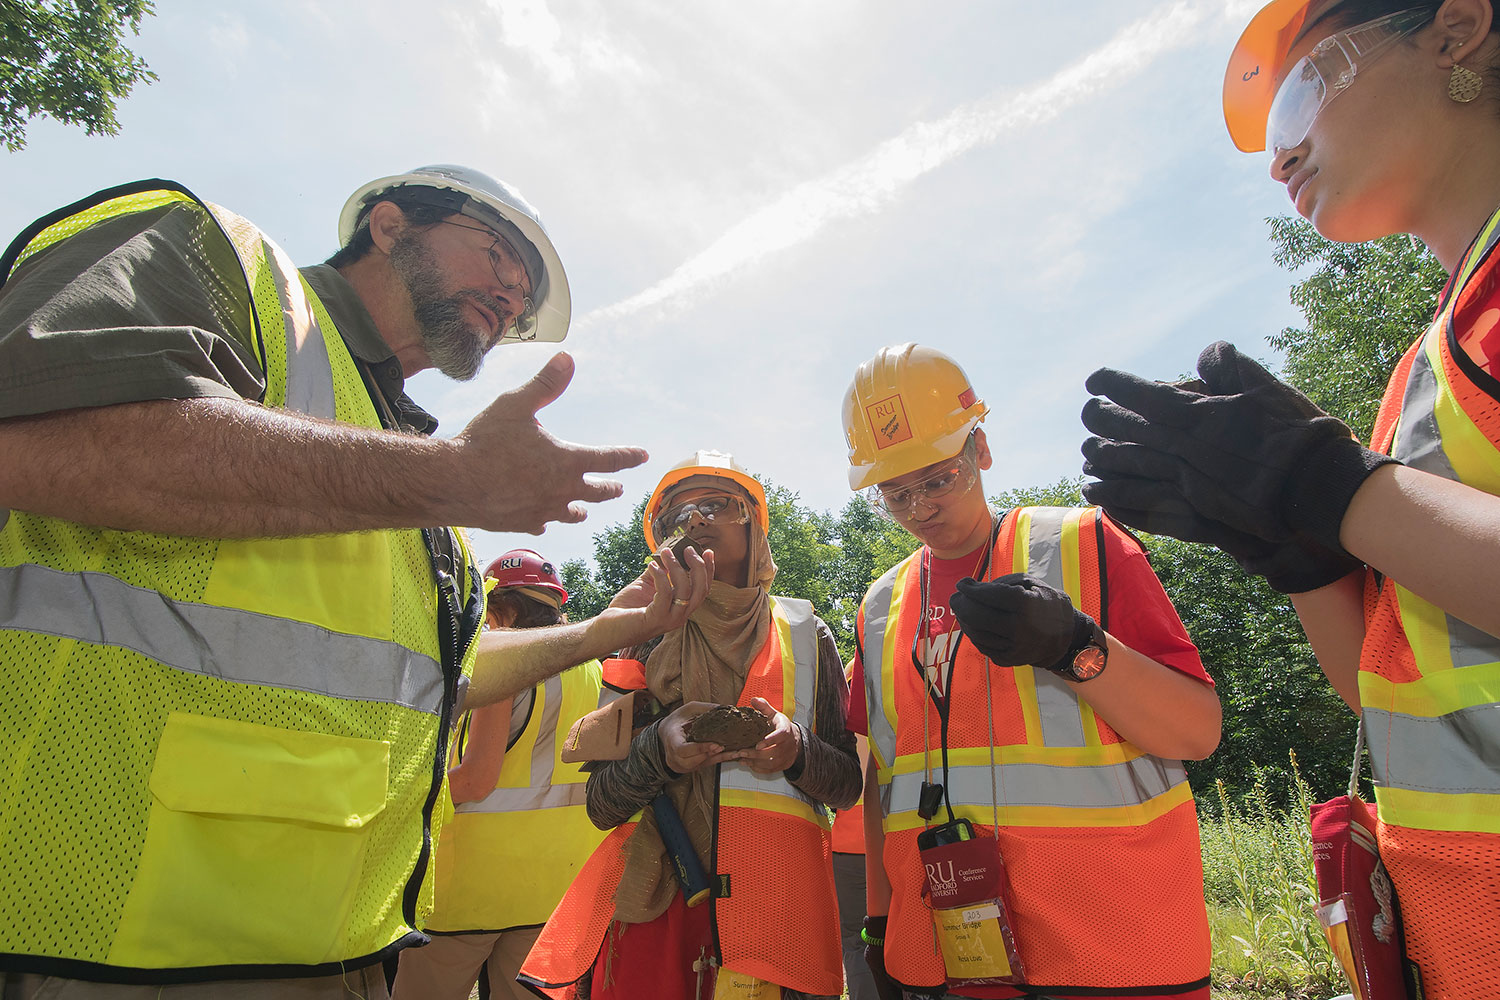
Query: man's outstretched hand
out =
(521, 477)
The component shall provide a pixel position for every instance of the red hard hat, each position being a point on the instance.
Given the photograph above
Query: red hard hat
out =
(528, 570)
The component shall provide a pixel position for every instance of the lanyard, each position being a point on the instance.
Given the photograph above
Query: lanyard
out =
(942, 703)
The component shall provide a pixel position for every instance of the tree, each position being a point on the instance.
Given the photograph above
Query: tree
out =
(63, 59)
(1364, 303)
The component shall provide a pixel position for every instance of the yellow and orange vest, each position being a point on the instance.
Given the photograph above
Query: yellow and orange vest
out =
(1429, 684)
(1100, 838)
(779, 921)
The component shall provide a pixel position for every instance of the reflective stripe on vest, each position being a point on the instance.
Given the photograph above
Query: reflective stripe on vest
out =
(1065, 774)
(533, 826)
(1434, 738)
(270, 714)
(1088, 824)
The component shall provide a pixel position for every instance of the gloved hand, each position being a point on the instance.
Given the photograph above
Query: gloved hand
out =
(1292, 567)
(1251, 452)
(1018, 619)
(874, 931)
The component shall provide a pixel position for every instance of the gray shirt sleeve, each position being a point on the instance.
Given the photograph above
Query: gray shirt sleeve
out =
(129, 309)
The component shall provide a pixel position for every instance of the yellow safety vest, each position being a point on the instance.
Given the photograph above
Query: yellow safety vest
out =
(505, 860)
(221, 756)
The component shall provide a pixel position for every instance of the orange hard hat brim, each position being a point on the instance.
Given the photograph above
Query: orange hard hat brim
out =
(1251, 77)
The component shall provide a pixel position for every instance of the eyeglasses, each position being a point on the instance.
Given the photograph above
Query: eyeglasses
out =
(511, 273)
(1328, 70)
(719, 509)
(959, 477)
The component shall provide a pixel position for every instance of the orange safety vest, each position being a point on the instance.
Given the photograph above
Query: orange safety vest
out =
(775, 916)
(1100, 839)
(1429, 684)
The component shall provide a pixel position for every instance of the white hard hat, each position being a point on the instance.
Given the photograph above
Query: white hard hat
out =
(495, 203)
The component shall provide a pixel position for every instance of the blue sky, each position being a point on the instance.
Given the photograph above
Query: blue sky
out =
(750, 198)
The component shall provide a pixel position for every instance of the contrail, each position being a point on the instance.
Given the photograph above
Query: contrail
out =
(863, 186)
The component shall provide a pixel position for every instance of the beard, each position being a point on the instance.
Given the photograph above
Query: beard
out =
(454, 344)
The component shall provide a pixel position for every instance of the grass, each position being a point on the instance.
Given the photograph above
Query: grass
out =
(1259, 885)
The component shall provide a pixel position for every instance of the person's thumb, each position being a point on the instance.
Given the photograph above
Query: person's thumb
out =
(547, 384)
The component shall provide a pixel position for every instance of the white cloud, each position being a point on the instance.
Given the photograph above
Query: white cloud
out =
(865, 185)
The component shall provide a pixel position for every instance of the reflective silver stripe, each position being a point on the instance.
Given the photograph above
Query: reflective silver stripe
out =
(543, 749)
(244, 647)
(877, 615)
(799, 615)
(1457, 753)
(1419, 444)
(523, 799)
(1058, 709)
(1044, 546)
(309, 375)
(1127, 783)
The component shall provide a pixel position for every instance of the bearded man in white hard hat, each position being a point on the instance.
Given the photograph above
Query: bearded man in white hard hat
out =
(231, 640)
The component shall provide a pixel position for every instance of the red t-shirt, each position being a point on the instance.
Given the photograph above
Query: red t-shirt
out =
(1140, 615)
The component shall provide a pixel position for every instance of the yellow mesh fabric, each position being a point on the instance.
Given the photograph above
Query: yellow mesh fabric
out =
(83, 720)
(80, 221)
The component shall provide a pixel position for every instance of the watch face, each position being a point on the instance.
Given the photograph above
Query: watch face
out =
(1089, 663)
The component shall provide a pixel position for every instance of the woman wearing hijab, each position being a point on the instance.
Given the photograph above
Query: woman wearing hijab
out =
(1381, 118)
(756, 819)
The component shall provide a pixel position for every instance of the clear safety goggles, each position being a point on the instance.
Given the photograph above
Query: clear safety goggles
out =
(1327, 71)
(509, 270)
(719, 509)
(898, 500)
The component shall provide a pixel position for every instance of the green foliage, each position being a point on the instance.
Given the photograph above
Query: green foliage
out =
(1275, 697)
(868, 544)
(1364, 304)
(1066, 492)
(1261, 893)
(63, 59)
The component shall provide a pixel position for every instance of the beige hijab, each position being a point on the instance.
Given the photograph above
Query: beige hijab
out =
(707, 659)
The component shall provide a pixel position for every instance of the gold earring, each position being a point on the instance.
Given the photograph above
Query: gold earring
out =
(1464, 84)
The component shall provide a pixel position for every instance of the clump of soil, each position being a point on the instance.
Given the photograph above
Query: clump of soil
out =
(733, 727)
(680, 546)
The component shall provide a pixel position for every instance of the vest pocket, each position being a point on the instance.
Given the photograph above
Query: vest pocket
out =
(254, 845)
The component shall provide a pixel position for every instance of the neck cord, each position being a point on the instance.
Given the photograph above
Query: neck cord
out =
(942, 704)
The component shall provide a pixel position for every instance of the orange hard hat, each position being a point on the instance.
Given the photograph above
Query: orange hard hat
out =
(1250, 80)
(715, 464)
(908, 407)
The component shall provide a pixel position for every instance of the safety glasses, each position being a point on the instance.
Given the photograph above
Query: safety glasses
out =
(898, 500)
(1327, 71)
(510, 272)
(719, 509)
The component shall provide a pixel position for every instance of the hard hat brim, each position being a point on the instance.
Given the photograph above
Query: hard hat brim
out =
(1250, 79)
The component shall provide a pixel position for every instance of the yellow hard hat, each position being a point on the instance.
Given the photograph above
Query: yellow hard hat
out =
(1250, 81)
(709, 464)
(908, 407)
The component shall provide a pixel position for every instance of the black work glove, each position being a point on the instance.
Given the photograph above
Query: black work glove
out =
(1251, 452)
(885, 987)
(1018, 619)
(1292, 567)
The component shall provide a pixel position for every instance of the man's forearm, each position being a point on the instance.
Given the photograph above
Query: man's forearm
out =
(510, 661)
(223, 468)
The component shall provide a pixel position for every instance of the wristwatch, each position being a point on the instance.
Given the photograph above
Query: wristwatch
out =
(1086, 661)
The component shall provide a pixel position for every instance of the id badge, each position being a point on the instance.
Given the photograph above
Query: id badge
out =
(966, 890)
(731, 985)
